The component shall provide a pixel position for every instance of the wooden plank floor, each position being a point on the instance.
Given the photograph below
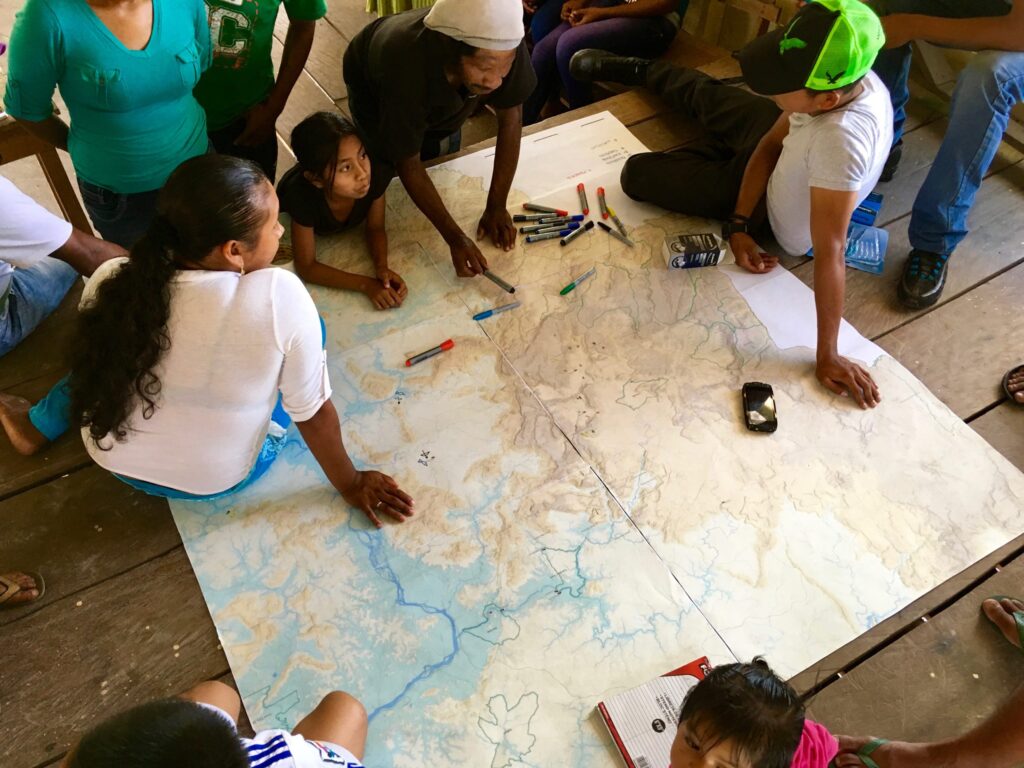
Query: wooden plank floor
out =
(104, 639)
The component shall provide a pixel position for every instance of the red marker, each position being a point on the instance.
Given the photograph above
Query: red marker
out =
(601, 203)
(444, 347)
(544, 209)
(584, 205)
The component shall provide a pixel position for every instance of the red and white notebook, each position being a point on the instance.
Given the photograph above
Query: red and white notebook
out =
(642, 720)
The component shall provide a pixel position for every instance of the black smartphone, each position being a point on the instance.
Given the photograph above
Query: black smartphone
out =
(759, 407)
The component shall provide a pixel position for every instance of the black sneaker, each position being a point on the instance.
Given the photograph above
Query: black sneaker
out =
(592, 64)
(892, 162)
(924, 277)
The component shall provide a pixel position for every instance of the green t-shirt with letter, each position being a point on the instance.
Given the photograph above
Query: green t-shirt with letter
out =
(242, 73)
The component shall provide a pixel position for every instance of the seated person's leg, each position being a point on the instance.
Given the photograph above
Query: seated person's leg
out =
(547, 16)
(35, 292)
(339, 719)
(989, 86)
(217, 695)
(701, 180)
(544, 65)
(734, 116)
(646, 38)
(30, 427)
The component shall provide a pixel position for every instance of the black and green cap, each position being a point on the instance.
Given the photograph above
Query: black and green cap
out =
(828, 44)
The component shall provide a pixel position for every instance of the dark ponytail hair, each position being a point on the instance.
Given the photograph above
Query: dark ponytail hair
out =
(315, 143)
(122, 335)
(749, 706)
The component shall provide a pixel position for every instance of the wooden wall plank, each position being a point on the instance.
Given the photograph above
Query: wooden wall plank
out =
(324, 62)
(1003, 428)
(78, 531)
(942, 678)
(348, 16)
(307, 97)
(961, 350)
(141, 635)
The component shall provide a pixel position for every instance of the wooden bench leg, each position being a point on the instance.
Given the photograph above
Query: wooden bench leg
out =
(60, 184)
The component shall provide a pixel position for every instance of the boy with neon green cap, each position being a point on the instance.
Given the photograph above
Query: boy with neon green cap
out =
(794, 165)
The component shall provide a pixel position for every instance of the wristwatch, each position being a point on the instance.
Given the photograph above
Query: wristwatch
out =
(736, 223)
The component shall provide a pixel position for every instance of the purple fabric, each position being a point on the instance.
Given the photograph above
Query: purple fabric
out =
(647, 37)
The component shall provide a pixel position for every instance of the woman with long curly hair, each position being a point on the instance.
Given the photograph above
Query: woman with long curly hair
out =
(192, 357)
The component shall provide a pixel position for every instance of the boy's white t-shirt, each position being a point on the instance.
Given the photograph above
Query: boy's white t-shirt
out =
(28, 232)
(844, 149)
(280, 749)
(235, 341)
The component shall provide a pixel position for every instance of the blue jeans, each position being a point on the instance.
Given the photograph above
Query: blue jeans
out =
(648, 37)
(34, 293)
(119, 218)
(986, 91)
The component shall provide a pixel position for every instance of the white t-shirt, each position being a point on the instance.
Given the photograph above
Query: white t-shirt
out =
(844, 149)
(235, 342)
(28, 232)
(280, 749)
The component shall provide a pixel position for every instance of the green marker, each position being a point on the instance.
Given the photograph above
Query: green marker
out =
(572, 286)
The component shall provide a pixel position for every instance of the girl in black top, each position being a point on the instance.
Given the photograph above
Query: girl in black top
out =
(333, 189)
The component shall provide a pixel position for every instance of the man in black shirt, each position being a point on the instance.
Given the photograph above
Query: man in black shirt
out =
(414, 78)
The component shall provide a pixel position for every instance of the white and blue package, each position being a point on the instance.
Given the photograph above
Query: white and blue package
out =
(865, 248)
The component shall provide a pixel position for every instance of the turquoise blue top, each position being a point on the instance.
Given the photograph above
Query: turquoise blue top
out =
(133, 117)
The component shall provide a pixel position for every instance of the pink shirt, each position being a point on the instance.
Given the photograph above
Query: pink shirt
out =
(817, 747)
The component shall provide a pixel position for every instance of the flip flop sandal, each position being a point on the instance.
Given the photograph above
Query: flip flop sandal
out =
(1018, 616)
(11, 588)
(864, 753)
(1006, 384)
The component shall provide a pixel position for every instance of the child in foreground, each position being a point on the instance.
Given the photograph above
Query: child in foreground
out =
(334, 188)
(200, 730)
(746, 716)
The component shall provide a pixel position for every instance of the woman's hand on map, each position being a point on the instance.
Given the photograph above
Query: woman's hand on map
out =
(378, 494)
(846, 378)
(749, 254)
(388, 291)
(497, 225)
(467, 258)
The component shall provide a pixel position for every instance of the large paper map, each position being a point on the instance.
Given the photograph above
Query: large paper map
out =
(591, 511)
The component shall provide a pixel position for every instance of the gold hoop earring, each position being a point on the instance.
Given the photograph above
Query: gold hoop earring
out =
(241, 271)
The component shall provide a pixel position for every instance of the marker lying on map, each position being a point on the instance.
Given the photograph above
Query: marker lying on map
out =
(444, 346)
(618, 222)
(572, 286)
(576, 233)
(544, 209)
(498, 281)
(536, 237)
(496, 311)
(616, 235)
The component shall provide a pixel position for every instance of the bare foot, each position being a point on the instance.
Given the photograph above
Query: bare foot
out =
(27, 593)
(893, 754)
(1016, 385)
(1000, 613)
(24, 437)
